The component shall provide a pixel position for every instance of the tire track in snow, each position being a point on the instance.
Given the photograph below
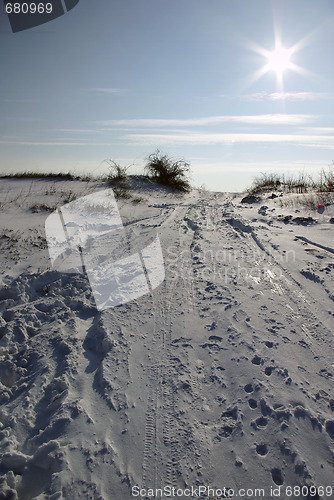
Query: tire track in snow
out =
(162, 424)
(160, 463)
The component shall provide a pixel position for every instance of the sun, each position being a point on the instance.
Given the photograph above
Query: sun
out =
(279, 60)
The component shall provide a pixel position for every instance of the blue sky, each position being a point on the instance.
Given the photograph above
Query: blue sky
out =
(120, 79)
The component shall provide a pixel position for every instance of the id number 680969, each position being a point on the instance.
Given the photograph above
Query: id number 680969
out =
(28, 8)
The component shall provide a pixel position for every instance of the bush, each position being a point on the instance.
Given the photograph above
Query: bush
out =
(41, 175)
(117, 173)
(326, 182)
(122, 192)
(168, 172)
(291, 184)
(265, 182)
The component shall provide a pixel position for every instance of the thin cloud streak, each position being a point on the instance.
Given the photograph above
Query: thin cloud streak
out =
(268, 119)
(300, 96)
(318, 130)
(319, 146)
(110, 90)
(78, 130)
(53, 143)
(275, 166)
(233, 138)
(288, 96)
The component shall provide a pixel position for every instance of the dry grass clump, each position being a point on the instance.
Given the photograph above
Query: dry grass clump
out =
(168, 172)
(117, 173)
(326, 181)
(159, 168)
(40, 175)
(301, 183)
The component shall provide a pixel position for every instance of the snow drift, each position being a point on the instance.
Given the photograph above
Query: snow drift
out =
(221, 376)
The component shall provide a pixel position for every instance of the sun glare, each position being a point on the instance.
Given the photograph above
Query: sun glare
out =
(279, 60)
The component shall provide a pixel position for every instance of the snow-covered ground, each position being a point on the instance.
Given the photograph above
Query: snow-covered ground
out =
(221, 377)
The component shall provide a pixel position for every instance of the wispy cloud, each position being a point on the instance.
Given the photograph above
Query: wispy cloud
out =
(78, 130)
(318, 130)
(110, 90)
(300, 96)
(288, 96)
(268, 119)
(256, 166)
(233, 138)
(52, 143)
(319, 146)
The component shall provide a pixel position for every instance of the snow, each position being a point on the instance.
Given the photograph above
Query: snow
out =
(221, 376)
